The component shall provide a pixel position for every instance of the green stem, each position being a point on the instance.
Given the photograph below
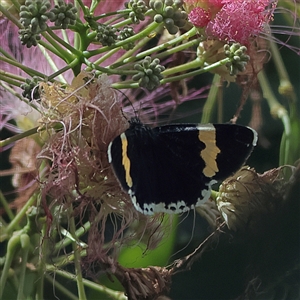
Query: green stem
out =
(27, 70)
(66, 45)
(152, 27)
(92, 66)
(76, 250)
(211, 100)
(52, 49)
(214, 195)
(106, 56)
(112, 13)
(25, 244)
(14, 224)
(285, 86)
(16, 4)
(11, 75)
(43, 253)
(182, 38)
(195, 64)
(129, 53)
(159, 48)
(131, 84)
(61, 288)
(51, 62)
(168, 52)
(6, 207)
(10, 17)
(125, 85)
(83, 7)
(12, 246)
(18, 137)
(71, 65)
(2, 51)
(122, 23)
(60, 72)
(67, 241)
(17, 95)
(9, 81)
(67, 259)
(179, 48)
(276, 109)
(93, 6)
(94, 286)
(196, 72)
(56, 43)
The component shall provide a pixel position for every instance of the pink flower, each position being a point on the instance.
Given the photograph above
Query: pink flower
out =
(199, 17)
(240, 20)
(231, 20)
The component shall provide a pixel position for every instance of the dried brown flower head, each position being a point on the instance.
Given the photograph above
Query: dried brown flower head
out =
(88, 117)
(247, 196)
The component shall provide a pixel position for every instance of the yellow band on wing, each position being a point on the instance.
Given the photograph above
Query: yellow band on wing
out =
(126, 160)
(209, 154)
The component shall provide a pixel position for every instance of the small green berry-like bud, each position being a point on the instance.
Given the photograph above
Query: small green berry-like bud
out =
(138, 8)
(149, 73)
(63, 14)
(238, 58)
(168, 2)
(106, 34)
(28, 38)
(34, 13)
(31, 88)
(158, 18)
(125, 33)
(169, 12)
(158, 6)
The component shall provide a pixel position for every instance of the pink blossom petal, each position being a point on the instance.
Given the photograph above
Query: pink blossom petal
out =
(199, 17)
(239, 20)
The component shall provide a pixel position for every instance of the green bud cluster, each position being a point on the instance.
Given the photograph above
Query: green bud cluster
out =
(28, 38)
(63, 14)
(34, 14)
(31, 89)
(149, 73)
(106, 34)
(238, 58)
(169, 12)
(138, 8)
(125, 33)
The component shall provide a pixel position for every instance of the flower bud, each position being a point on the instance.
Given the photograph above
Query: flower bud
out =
(246, 197)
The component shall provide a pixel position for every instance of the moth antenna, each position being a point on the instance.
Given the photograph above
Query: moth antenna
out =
(126, 97)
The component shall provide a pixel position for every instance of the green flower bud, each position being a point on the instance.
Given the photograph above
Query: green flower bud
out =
(28, 38)
(139, 8)
(35, 13)
(149, 73)
(170, 13)
(31, 88)
(63, 14)
(158, 18)
(238, 58)
(125, 33)
(106, 34)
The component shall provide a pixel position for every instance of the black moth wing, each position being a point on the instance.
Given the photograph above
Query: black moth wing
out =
(165, 167)
(236, 143)
(171, 168)
(175, 181)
